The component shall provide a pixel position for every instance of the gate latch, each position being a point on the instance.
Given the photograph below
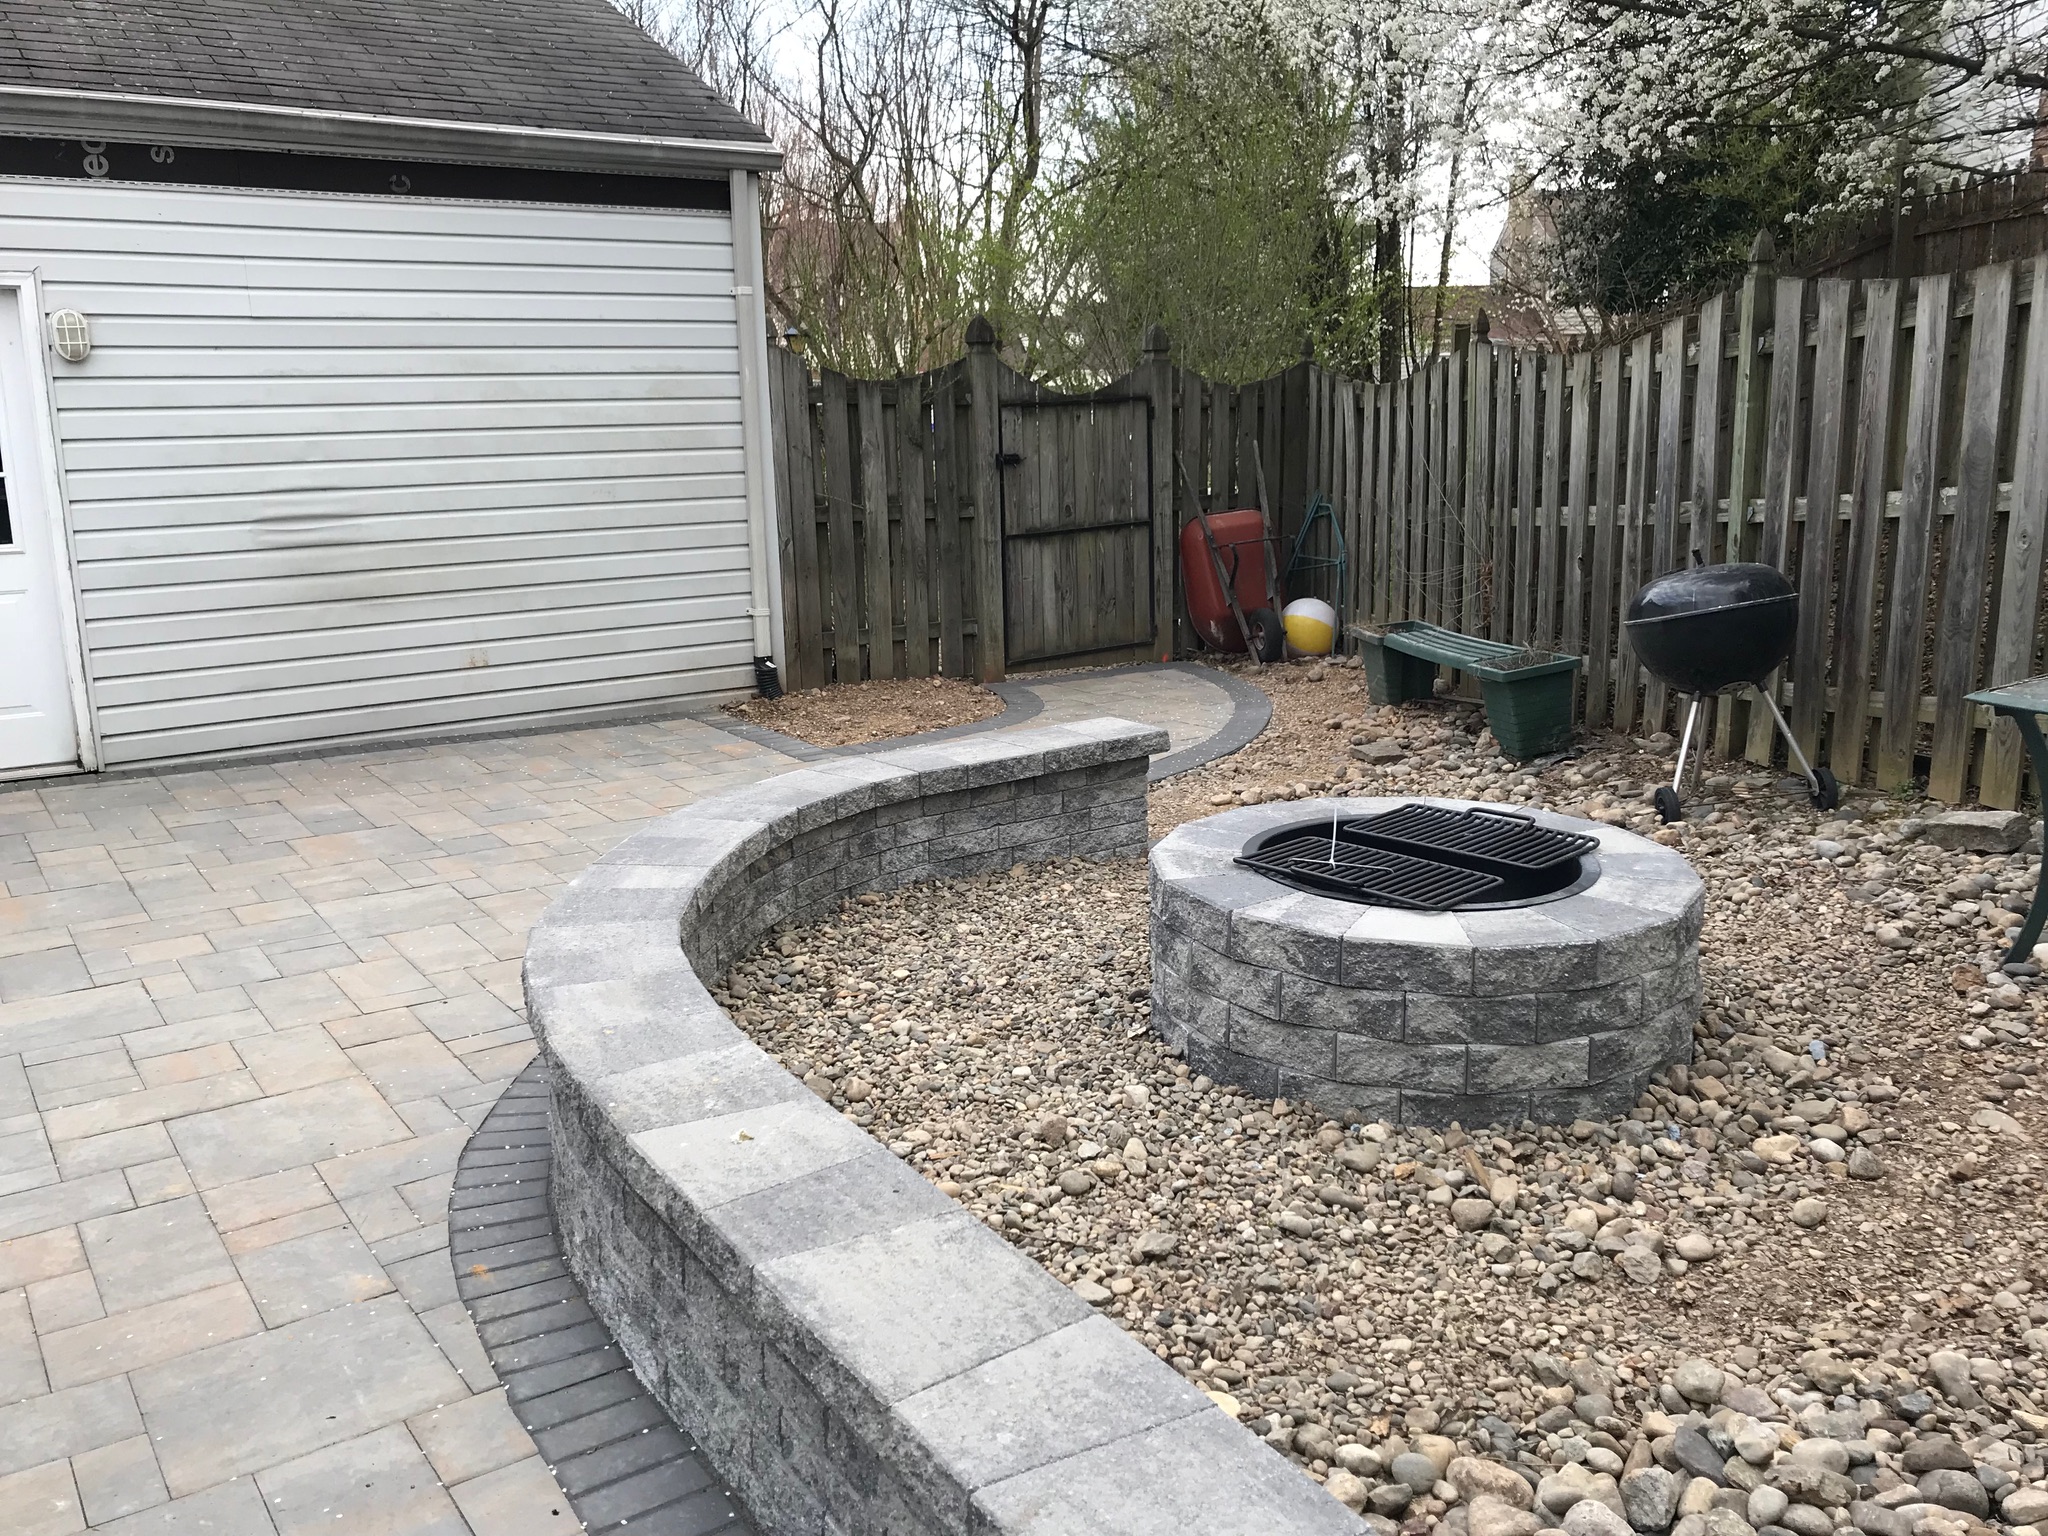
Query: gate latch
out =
(1005, 460)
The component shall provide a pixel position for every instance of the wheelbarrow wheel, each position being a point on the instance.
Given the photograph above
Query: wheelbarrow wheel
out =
(1666, 802)
(1269, 638)
(1827, 794)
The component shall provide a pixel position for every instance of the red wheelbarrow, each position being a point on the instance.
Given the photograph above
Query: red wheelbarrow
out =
(1227, 566)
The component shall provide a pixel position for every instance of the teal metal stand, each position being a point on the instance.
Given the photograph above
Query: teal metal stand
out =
(1319, 510)
(2023, 704)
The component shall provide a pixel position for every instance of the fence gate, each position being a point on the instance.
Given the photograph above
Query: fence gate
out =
(1077, 530)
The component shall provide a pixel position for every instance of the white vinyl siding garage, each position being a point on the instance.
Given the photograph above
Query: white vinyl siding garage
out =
(355, 467)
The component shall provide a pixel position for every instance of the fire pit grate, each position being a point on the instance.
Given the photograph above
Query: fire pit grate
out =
(1496, 837)
(1425, 857)
(1308, 857)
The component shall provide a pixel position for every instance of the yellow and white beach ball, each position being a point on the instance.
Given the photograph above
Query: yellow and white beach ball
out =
(1311, 626)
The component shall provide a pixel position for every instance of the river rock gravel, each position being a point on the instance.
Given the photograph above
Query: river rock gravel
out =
(1805, 1276)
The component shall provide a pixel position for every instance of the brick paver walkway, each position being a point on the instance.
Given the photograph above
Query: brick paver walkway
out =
(248, 1018)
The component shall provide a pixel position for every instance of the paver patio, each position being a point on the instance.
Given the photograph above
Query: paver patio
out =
(248, 1018)
(249, 1015)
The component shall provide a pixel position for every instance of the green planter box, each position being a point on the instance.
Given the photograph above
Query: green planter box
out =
(1529, 709)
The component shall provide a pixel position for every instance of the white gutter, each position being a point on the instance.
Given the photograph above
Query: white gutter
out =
(755, 420)
(35, 109)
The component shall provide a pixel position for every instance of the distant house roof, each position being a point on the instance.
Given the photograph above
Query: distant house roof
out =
(425, 77)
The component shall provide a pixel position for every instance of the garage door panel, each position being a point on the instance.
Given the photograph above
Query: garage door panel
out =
(716, 595)
(339, 422)
(281, 510)
(378, 692)
(422, 558)
(122, 398)
(486, 444)
(338, 466)
(653, 511)
(712, 671)
(258, 674)
(531, 358)
(280, 627)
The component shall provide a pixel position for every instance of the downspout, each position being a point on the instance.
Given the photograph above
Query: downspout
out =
(766, 607)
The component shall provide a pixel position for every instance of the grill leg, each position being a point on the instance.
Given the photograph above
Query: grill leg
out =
(1785, 730)
(1692, 715)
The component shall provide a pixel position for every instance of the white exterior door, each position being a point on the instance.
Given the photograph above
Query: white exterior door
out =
(37, 727)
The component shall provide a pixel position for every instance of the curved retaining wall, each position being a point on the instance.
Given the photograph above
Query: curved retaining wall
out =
(1559, 1011)
(855, 1352)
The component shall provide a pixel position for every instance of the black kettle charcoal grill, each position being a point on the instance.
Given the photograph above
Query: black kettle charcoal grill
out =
(1720, 629)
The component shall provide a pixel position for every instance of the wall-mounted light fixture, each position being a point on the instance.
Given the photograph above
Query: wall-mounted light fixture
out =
(71, 336)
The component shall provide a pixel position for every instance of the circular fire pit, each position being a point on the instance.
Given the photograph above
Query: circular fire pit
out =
(1551, 993)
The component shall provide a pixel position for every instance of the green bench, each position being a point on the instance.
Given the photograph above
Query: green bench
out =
(1528, 702)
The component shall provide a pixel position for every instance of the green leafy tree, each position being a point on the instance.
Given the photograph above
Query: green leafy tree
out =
(1212, 198)
(1638, 232)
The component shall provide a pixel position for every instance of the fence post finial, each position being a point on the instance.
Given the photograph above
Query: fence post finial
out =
(1482, 327)
(981, 332)
(1156, 343)
(1763, 250)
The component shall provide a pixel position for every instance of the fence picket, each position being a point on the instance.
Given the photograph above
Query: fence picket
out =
(1966, 557)
(874, 527)
(805, 598)
(1781, 441)
(1577, 504)
(843, 621)
(1905, 630)
(1823, 504)
(913, 445)
(1634, 527)
(1523, 557)
(1549, 504)
(1706, 432)
(950, 587)
(2016, 644)
(1606, 513)
(1450, 511)
(1869, 479)
(1475, 505)
(1397, 502)
(1500, 512)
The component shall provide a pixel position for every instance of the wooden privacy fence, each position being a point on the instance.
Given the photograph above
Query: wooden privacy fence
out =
(1076, 565)
(1884, 442)
(963, 521)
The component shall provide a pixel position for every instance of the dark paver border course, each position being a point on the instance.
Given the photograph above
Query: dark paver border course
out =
(854, 1352)
(610, 1445)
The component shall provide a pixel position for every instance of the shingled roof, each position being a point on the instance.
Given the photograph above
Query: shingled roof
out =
(574, 66)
